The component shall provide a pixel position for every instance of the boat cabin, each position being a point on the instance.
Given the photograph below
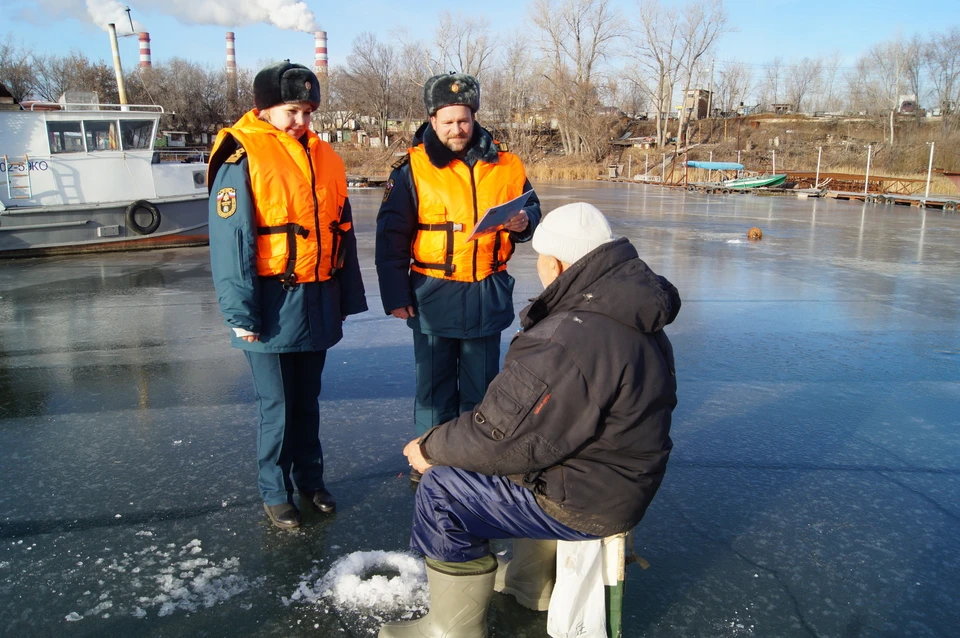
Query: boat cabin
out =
(63, 154)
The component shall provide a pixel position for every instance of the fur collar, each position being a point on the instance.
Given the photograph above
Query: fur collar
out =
(481, 147)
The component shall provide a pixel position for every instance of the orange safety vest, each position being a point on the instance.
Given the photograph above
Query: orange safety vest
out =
(451, 201)
(298, 200)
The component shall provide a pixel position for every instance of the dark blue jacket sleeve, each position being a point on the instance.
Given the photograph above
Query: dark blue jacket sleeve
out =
(353, 299)
(396, 229)
(233, 247)
(533, 213)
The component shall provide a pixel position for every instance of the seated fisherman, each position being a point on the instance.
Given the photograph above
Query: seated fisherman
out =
(570, 441)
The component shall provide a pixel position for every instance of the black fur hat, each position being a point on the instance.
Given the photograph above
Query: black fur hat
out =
(285, 82)
(448, 89)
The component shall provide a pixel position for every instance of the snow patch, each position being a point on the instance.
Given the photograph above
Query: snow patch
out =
(389, 583)
(148, 579)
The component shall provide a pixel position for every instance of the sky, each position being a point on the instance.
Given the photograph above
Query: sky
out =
(267, 30)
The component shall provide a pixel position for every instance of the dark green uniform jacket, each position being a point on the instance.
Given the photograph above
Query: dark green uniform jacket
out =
(307, 318)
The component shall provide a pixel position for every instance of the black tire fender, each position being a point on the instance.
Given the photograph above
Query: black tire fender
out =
(139, 206)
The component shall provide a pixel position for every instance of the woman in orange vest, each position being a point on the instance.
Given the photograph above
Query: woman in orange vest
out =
(284, 260)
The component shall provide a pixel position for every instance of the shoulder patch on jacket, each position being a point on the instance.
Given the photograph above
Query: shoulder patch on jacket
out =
(400, 162)
(226, 202)
(236, 157)
(386, 190)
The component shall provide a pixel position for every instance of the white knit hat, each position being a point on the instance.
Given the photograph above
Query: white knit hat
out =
(571, 231)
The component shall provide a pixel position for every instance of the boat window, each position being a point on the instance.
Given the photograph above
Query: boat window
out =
(65, 137)
(101, 136)
(136, 134)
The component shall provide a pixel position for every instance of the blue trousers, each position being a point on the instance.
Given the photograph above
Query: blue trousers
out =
(457, 513)
(287, 387)
(452, 376)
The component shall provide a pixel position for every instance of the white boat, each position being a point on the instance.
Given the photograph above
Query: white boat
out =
(86, 177)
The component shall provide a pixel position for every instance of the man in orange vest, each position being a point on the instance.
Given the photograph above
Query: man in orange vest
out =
(284, 260)
(455, 294)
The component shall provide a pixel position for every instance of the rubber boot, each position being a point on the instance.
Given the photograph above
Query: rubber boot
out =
(530, 575)
(458, 608)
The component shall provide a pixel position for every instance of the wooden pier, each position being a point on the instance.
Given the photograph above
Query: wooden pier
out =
(893, 199)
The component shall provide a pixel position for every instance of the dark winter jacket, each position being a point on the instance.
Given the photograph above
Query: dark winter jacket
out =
(307, 318)
(455, 309)
(581, 412)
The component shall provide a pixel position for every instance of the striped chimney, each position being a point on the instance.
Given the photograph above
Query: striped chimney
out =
(320, 63)
(231, 54)
(145, 62)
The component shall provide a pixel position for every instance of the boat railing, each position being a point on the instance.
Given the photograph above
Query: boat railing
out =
(79, 106)
(181, 156)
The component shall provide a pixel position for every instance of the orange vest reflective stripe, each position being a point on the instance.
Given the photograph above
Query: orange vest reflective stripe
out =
(298, 201)
(451, 202)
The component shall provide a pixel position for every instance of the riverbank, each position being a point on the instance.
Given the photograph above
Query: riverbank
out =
(793, 141)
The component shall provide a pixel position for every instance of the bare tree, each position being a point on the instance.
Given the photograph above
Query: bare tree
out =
(942, 55)
(773, 81)
(735, 83)
(575, 37)
(915, 69)
(340, 106)
(829, 100)
(193, 95)
(701, 25)
(858, 99)
(464, 43)
(75, 72)
(416, 62)
(656, 53)
(886, 69)
(17, 69)
(803, 78)
(367, 80)
(629, 95)
(510, 95)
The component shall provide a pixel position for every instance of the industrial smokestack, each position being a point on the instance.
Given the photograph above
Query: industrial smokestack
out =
(320, 63)
(231, 54)
(145, 62)
(232, 110)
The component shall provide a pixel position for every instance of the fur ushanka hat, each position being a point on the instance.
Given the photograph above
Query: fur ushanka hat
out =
(448, 89)
(285, 82)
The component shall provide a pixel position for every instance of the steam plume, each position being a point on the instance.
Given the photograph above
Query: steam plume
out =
(103, 12)
(283, 14)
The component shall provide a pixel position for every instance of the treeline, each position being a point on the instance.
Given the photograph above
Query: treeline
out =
(569, 78)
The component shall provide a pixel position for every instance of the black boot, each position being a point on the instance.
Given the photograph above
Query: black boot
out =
(321, 500)
(284, 515)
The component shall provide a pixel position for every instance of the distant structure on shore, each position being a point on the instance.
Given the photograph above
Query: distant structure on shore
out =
(320, 55)
(145, 61)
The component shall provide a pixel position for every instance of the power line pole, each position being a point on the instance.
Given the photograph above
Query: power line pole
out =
(710, 94)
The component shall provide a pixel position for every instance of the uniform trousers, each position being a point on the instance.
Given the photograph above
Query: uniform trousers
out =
(452, 375)
(287, 387)
(457, 513)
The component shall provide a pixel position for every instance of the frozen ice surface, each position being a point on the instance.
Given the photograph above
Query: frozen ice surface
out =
(813, 489)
